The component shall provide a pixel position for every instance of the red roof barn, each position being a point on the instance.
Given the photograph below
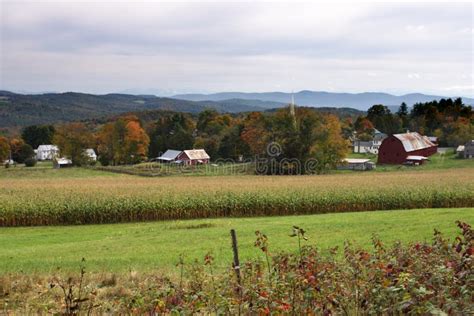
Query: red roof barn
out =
(396, 148)
(193, 157)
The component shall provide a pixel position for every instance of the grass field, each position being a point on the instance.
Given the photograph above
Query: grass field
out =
(157, 245)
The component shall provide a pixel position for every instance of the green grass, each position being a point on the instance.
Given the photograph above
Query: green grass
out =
(45, 170)
(157, 245)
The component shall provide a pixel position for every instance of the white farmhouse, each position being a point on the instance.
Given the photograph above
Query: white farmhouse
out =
(371, 146)
(47, 152)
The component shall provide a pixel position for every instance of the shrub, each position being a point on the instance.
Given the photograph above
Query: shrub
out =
(420, 278)
(30, 162)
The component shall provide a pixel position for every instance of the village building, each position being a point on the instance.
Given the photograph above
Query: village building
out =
(193, 157)
(62, 163)
(169, 156)
(396, 149)
(371, 146)
(356, 164)
(46, 152)
(90, 154)
(469, 149)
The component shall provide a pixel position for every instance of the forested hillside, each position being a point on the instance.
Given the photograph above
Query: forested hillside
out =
(18, 110)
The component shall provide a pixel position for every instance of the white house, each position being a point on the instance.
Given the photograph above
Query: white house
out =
(90, 153)
(469, 149)
(47, 152)
(371, 146)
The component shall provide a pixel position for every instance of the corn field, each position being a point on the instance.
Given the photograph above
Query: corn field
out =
(96, 200)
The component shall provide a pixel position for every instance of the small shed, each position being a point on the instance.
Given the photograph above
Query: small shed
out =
(415, 160)
(396, 148)
(62, 163)
(194, 157)
(356, 164)
(169, 156)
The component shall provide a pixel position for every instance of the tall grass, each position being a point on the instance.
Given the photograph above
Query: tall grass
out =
(25, 202)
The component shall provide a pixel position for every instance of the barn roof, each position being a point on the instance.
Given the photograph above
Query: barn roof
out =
(170, 155)
(197, 154)
(414, 141)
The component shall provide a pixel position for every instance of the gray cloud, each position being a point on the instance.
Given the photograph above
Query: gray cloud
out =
(113, 46)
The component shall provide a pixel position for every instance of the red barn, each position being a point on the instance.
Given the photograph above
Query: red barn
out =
(193, 157)
(396, 148)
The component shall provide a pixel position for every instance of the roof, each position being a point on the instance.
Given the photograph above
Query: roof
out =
(63, 161)
(418, 158)
(414, 141)
(460, 148)
(355, 160)
(47, 147)
(196, 154)
(170, 155)
(358, 143)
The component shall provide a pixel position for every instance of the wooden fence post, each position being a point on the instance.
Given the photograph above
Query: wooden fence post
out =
(236, 263)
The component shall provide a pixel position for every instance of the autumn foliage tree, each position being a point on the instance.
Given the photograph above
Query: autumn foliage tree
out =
(73, 139)
(255, 133)
(122, 142)
(4, 149)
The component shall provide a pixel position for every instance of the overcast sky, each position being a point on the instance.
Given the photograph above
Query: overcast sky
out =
(167, 48)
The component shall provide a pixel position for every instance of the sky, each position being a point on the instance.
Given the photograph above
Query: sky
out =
(166, 48)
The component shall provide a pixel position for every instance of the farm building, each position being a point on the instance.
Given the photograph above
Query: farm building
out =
(46, 152)
(193, 157)
(169, 156)
(90, 153)
(371, 146)
(356, 164)
(469, 149)
(396, 148)
(61, 163)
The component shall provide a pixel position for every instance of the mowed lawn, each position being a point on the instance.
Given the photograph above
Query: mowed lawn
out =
(158, 245)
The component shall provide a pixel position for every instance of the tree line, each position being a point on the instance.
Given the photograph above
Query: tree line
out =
(301, 134)
(451, 121)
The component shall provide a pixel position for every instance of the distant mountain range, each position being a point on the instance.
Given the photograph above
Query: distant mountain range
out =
(18, 110)
(361, 101)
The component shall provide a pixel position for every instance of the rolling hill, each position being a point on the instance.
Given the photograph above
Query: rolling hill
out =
(361, 101)
(17, 110)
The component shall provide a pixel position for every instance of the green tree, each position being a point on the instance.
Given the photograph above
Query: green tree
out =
(384, 120)
(73, 139)
(38, 135)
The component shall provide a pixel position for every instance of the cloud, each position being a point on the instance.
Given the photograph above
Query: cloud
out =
(111, 46)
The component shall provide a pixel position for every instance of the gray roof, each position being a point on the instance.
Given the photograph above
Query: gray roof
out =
(414, 141)
(170, 155)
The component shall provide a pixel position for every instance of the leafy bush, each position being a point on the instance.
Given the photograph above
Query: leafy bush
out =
(30, 162)
(418, 278)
